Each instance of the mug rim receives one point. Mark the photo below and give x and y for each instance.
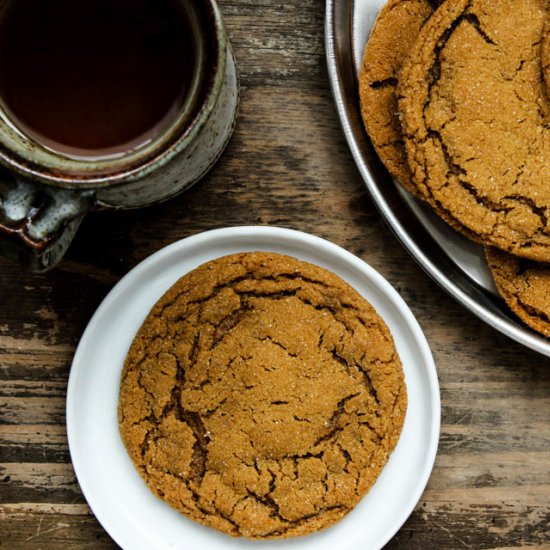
(28, 158)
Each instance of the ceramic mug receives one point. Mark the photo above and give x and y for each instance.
(45, 194)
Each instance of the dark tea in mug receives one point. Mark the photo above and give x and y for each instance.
(96, 78)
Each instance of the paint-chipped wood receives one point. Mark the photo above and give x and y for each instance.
(287, 165)
(51, 526)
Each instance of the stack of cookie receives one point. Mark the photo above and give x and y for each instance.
(454, 98)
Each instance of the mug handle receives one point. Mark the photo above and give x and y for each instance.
(38, 222)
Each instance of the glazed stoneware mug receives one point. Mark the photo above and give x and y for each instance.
(45, 191)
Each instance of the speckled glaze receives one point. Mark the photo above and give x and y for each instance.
(44, 195)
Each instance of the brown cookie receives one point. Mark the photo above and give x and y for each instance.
(525, 287)
(394, 32)
(475, 121)
(262, 396)
(545, 56)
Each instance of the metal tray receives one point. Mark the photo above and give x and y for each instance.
(454, 262)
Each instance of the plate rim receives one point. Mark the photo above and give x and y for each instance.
(424, 250)
(429, 368)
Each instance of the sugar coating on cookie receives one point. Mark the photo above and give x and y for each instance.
(476, 121)
(394, 32)
(525, 287)
(262, 396)
(545, 56)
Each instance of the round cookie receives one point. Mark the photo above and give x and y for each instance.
(525, 287)
(262, 396)
(394, 32)
(475, 121)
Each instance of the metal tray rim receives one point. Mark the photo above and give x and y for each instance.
(418, 243)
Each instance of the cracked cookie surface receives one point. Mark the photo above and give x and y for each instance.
(475, 118)
(262, 396)
(394, 32)
(525, 287)
(545, 55)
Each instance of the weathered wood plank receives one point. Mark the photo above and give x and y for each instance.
(33, 388)
(488, 518)
(55, 527)
(34, 443)
(508, 470)
(32, 410)
(38, 482)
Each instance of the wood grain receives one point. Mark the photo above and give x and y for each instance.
(287, 165)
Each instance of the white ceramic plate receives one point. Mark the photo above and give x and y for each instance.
(126, 508)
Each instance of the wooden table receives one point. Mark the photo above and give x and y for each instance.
(287, 165)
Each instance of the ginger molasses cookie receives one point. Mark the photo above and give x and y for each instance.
(545, 56)
(524, 286)
(389, 43)
(262, 396)
(475, 120)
